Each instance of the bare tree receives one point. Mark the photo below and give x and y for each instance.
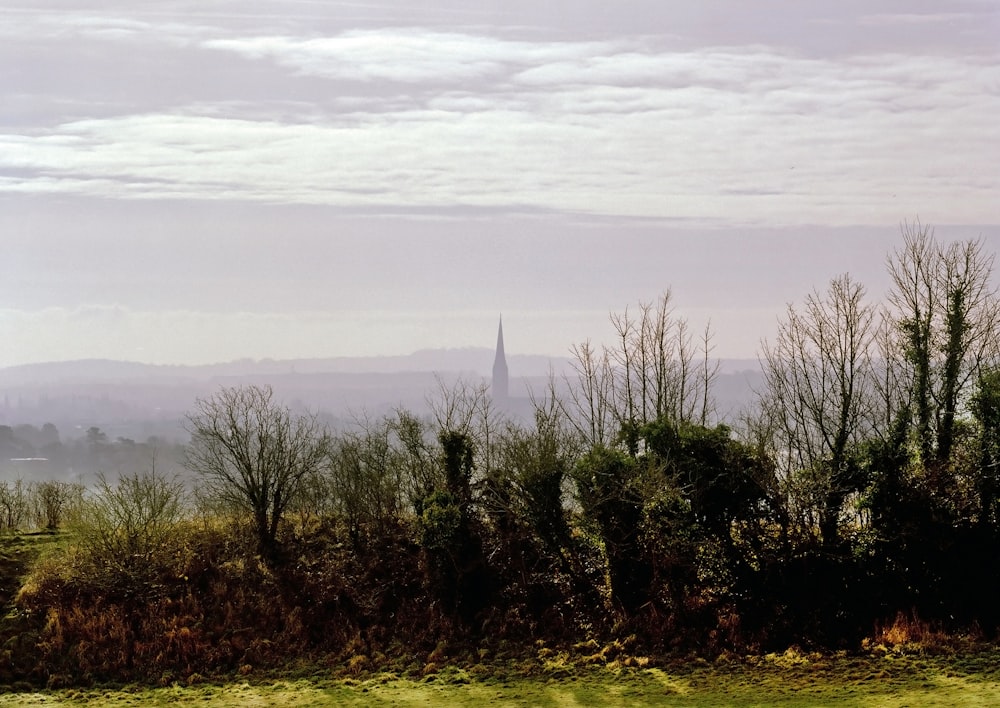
(52, 500)
(454, 406)
(589, 404)
(127, 532)
(124, 525)
(14, 502)
(468, 408)
(891, 400)
(650, 373)
(416, 455)
(367, 475)
(254, 455)
(818, 396)
(707, 376)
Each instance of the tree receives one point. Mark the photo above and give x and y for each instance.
(535, 465)
(650, 373)
(610, 491)
(416, 456)
(127, 525)
(366, 478)
(451, 534)
(523, 502)
(818, 395)
(53, 499)
(254, 455)
(706, 510)
(986, 409)
(468, 408)
(947, 314)
(13, 504)
(589, 402)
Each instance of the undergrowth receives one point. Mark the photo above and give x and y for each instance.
(213, 611)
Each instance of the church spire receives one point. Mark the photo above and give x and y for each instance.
(500, 367)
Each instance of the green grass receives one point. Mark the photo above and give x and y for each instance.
(789, 679)
(17, 551)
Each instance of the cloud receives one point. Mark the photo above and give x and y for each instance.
(85, 25)
(402, 55)
(412, 118)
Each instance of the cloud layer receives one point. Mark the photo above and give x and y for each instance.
(628, 125)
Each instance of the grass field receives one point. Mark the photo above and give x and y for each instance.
(789, 679)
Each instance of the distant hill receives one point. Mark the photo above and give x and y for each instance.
(137, 400)
(477, 360)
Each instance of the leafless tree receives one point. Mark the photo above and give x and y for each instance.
(127, 531)
(124, 524)
(708, 374)
(253, 455)
(651, 372)
(416, 455)
(468, 408)
(53, 499)
(14, 504)
(891, 399)
(367, 477)
(818, 396)
(589, 403)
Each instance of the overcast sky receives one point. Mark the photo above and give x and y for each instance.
(204, 180)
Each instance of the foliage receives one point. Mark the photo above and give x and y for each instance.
(451, 537)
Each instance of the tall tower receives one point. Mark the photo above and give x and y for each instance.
(500, 368)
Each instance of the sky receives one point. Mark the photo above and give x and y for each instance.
(196, 181)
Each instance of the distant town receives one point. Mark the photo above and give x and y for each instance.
(52, 415)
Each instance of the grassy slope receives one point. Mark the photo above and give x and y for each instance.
(17, 633)
(786, 680)
(17, 553)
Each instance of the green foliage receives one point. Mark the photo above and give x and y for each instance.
(605, 480)
(722, 479)
(986, 409)
(451, 535)
(535, 465)
(456, 453)
(610, 490)
(440, 523)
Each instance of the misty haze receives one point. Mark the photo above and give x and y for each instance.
(555, 353)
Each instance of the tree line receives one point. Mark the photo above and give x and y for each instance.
(862, 485)
(31, 453)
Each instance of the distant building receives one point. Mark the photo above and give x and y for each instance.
(501, 382)
(519, 408)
